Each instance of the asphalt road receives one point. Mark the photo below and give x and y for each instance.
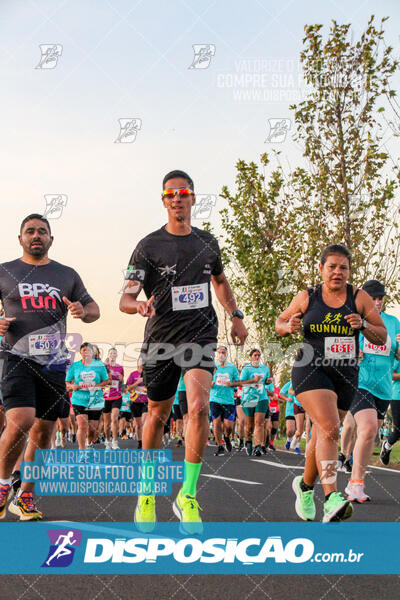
(240, 489)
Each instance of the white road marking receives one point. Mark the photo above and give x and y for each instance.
(388, 470)
(231, 479)
(268, 462)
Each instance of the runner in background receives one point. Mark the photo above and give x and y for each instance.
(287, 395)
(177, 415)
(139, 399)
(85, 379)
(299, 416)
(374, 392)
(222, 401)
(347, 441)
(272, 418)
(394, 435)
(254, 401)
(125, 414)
(72, 422)
(113, 400)
(183, 405)
(240, 419)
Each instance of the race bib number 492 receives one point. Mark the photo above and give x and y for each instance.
(188, 297)
(340, 347)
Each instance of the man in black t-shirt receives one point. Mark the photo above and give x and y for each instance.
(176, 266)
(36, 294)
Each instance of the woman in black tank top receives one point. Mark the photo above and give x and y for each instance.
(325, 372)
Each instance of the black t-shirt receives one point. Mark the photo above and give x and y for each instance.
(33, 294)
(177, 270)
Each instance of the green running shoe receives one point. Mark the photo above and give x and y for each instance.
(305, 506)
(145, 514)
(186, 508)
(337, 508)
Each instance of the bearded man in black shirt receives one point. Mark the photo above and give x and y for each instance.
(36, 294)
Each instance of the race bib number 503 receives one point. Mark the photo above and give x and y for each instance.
(188, 297)
(43, 343)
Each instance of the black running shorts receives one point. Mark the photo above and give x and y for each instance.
(124, 414)
(183, 403)
(161, 377)
(138, 408)
(110, 404)
(364, 399)
(176, 412)
(26, 383)
(92, 415)
(341, 380)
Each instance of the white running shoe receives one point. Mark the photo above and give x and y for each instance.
(107, 445)
(114, 445)
(355, 492)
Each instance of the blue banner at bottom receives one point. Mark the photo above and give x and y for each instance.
(222, 548)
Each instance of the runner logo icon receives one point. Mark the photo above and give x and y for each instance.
(168, 270)
(31, 291)
(63, 543)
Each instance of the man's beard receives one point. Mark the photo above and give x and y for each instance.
(38, 251)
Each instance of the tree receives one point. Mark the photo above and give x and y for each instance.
(349, 182)
(258, 250)
(275, 226)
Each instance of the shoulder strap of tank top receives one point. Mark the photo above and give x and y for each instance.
(352, 295)
(312, 295)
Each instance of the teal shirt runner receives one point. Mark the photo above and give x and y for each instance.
(254, 392)
(289, 411)
(219, 392)
(376, 368)
(88, 375)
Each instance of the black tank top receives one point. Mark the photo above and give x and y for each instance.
(327, 331)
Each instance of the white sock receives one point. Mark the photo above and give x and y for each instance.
(5, 481)
(289, 439)
(388, 446)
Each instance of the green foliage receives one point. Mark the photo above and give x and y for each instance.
(348, 189)
(276, 226)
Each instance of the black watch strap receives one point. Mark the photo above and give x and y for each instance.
(237, 313)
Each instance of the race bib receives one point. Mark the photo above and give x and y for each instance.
(250, 402)
(188, 297)
(115, 383)
(222, 378)
(370, 348)
(340, 347)
(88, 379)
(273, 409)
(43, 343)
(257, 386)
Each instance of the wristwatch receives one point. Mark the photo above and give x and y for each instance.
(363, 324)
(238, 314)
